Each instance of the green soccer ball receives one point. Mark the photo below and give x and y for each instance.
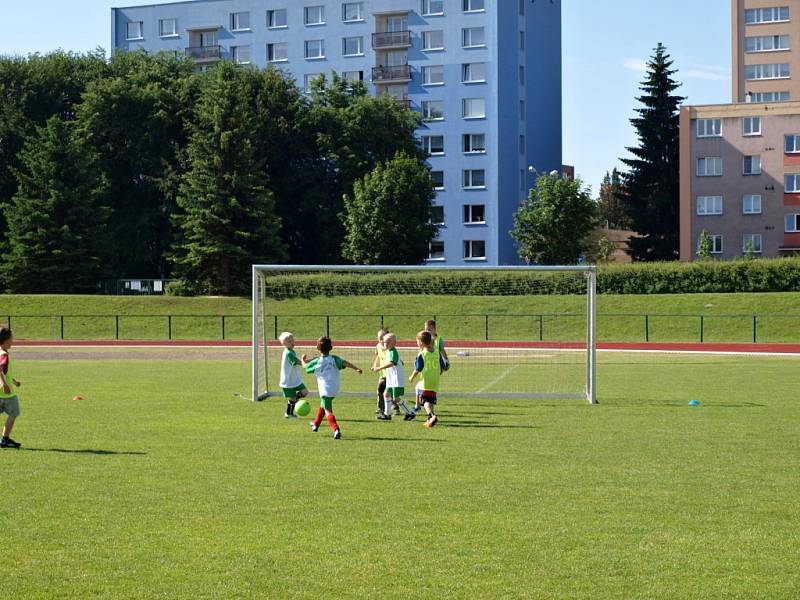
(302, 408)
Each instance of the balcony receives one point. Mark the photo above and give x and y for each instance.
(391, 39)
(204, 53)
(391, 74)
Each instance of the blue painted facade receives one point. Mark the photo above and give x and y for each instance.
(522, 87)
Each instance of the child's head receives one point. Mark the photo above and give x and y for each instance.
(287, 339)
(389, 340)
(424, 339)
(381, 333)
(430, 325)
(324, 345)
(6, 338)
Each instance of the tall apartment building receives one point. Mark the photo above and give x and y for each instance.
(485, 75)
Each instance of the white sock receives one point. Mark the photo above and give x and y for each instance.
(404, 406)
(388, 405)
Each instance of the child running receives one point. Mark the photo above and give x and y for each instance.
(326, 367)
(428, 365)
(395, 379)
(444, 361)
(9, 403)
(380, 359)
(291, 375)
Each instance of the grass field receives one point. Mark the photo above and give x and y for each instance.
(161, 484)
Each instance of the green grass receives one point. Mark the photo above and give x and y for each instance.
(161, 484)
(727, 317)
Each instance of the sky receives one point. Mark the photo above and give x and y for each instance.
(605, 46)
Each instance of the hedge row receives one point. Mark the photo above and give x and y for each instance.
(767, 275)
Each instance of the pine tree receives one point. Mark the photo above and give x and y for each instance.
(56, 225)
(611, 211)
(651, 186)
(705, 247)
(226, 216)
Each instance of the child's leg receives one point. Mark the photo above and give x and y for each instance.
(332, 420)
(8, 426)
(429, 409)
(318, 418)
(381, 392)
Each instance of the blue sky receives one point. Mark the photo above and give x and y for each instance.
(605, 45)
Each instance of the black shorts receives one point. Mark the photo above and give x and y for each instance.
(428, 396)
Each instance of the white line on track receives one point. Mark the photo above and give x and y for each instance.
(497, 379)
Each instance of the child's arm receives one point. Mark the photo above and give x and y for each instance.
(414, 375)
(419, 364)
(442, 351)
(376, 368)
(4, 383)
(349, 365)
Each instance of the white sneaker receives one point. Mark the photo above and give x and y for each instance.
(314, 428)
(337, 435)
(288, 416)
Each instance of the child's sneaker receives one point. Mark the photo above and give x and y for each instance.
(9, 443)
(410, 416)
(383, 417)
(396, 411)
(314, 427)
(430, 423)
(337, 435)
(288, 416)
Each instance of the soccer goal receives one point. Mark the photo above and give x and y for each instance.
(509, 332)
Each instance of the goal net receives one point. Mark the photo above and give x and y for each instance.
(509, 332)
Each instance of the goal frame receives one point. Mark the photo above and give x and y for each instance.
(590, 272)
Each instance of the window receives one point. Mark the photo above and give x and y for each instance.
(310, 79)
(240, 21)
(474, 250)
(791, 144)
(433, 75)
(709, 167)
(241, 55)
(168, 27)
(474, 108)
(767, 43)
(768, 71)
(522, 110)
(791, 224)
(352, 77)
(474, 143)
(473, 37)
(315, 49)
(433, 144)
(353, 46)
(751, 126)
(314, 15)
(474, 214)
(754, 16)
(769, 97)
(709, 205)
(433, 110)
(432, 7)
(433, 40)
(474, 5)
(437, 215)
(522, 144)
(522, 75)
(438, 179)
(716, 244)
(751, 243)
(751, 165)
(352, 12)
(436, 250)
(474, 179)
(278, 52)
(751, 204)
(133, 30)
(709, 128)
(473, 73)
(792, 184)
(276, 18)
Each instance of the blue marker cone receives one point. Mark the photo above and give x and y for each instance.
(694, 403)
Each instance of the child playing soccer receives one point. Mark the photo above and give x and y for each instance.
(395, 379)
(9, 403)
(444, 361)
(291, 379)
(380, 359)
(428, 365)
(326, 368)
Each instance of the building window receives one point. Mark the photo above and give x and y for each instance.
(352, 77)
(767, 43)
(754, 16)
(474, 179)
(241, 55)
(521, 8)
(791, 223)
(474, 108)
(474, 143)
(474, 214)
(716, 244)
(432, 7)
(768, 71)
(438, 179)
(436, 250)
(522, 144)
(314, 15)
(474, 5)
(433, 144)
(168, 27)
(751, 204)
(522, 110)
(751, 126)
(433, 40)
(353, 46)
(473, 37)
(473, 73)
(709, 167)
(751, 243)
(433, 75)
(278, 52)
(791, 144)
(308, 81)
(751, 165)
(709, 128)
(474, 250)
(709, 205)
(276, 19)
(792, 184)
(352, 12)
(522, 41)
(432, 110)
(240, 21)
(315, 49)
(769, 96)
(133, 30)
(437, 215)
(522, 75)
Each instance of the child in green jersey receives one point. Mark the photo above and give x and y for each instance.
(428, 366)
(291, 375)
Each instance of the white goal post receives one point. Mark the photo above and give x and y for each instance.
(545, 349)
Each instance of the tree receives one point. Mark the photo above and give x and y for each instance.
(387, 220)
(56, 224)
(651, 186)
(605, 250)
(611, 210)
(226, 219)
(705, 247)
(552, 225)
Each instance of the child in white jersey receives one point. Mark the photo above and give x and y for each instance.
(395, 378)
(291, 375)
